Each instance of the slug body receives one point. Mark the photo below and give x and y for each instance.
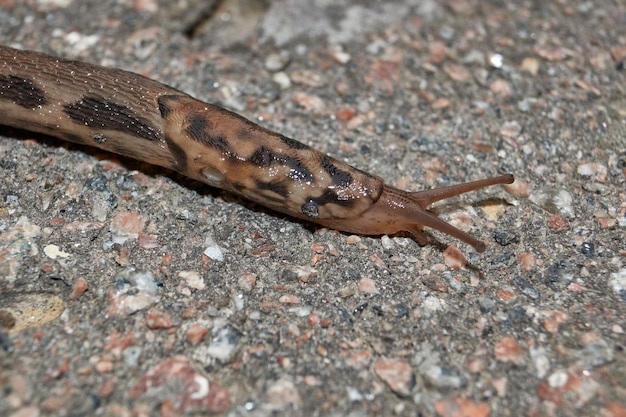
(137, 117)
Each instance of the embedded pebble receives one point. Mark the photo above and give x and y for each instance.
(368, 286)
(282, 79)
(443, 377)
(339, 55)
(454, 258)
(540, 359)
(530, 65)
(276, 61)
(506, 237)
(509, 350)
(29, 310)
(397, 374)
(134, 291)
(282, 394)
(554, 201)
(187, 390)
(224, 339)
(595, 170)
(618, 283)
(510, 129)
(212, 250)
(192, 279)
(54, 252)
(519, 188)
(126, 225)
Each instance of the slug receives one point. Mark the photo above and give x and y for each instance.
(134, 116)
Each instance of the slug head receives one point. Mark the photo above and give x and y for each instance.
(401, 211)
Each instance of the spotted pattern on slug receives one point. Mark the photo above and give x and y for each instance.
(228, 151)
(21, 91)
(134, 116)
(100, 113)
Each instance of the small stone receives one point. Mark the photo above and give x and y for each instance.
(506, 237)
(454, 258)
(282, 394)
(509, 351)
(307, 78)
(148, 241)
(397, 374)
(188, 391)
(501, 88)
(527, 260)
(134, 291)
(541, 361)
(290, 299)
(457, 73)
(196, 333)
(519, 188)
(435, 283)
(126, 225)
(282, 79)
(510, 130)
(276, 61)
(618, 283)
(486, 304)
(28, 411)
(79, 288)
(557, 223)
(598, 172)
(158, 320)
(443, 377)
(212, 250)
(224, 339)
(345, 114)
(368, 286)
(458, 406)
(339, 55)
(309, 103)
(247, 281)
(192, 279)
(54, 252)
(553, 319)
(619, 53)
(530, 65)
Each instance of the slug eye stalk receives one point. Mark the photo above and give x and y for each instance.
(402, 211)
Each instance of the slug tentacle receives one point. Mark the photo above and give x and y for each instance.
(140, 118)
(402, 211)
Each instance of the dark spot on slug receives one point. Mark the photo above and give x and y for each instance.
(338, 176)
(245, 134)
(264, 157)
(99, 113)
(292, 143)
(199, 130)
(22, 92)
(277, 187)
(164, 106)
(180, 156)
(330, 197)
(298, 171)
(310, 209)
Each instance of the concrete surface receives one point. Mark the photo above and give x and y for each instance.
(113, 297)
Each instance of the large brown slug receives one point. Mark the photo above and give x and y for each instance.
(140, 118)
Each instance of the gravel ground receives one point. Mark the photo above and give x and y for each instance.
(129, 291)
